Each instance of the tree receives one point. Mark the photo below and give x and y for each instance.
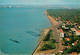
(53, 40)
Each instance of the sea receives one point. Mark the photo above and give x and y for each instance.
(20, 29)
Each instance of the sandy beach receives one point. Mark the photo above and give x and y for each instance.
(39, 45)
(52, 20)
(53, 23)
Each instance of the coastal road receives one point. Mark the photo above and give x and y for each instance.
(57, 38)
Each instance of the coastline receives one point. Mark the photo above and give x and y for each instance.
(53, 23)
(52, 20)
(41, 41)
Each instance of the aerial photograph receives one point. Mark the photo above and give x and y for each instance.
(39, 27)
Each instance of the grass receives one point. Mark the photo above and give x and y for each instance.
(48, 42)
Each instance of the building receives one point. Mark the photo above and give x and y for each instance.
(79, 27)
(73, 29)
(74, 53)
(74, 43)
(67, 39)
(63, 26)
(66, 27)
(68, 46)
(61, 33)
(78, 32)
(57, 19)
(61, 51)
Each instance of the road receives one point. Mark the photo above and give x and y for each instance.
(57, 38)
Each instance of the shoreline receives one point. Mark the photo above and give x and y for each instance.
(53, 23)
(52, 20)
(41, 41)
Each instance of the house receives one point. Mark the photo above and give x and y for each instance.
(68, 46)
(67, 39)
(60, 54)
(79, 27)
(73, 29)
(67, 22)
(75, 23)
(66, 27)
(78, 32)
(57, 19)
(74, 43)
(74, 53)
(63, 26)
(62, 42)
(61, 33)
(61, 51)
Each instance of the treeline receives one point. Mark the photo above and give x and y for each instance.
(66, 14)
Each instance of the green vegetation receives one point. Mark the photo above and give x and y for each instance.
(75, 48)
(72, 15)
(72, 49)
(48, 42)
(71, 23)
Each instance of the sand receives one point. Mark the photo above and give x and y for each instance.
(52, 20)
(39, 46)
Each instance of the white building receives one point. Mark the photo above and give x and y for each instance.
(61, 33)
(79, 27)
(65, 27)
(60, 51)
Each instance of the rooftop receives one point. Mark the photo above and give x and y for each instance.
(73, 29)
(68, 46)
(78, 30)
(60, 30)
(67, 39)
(73, 53)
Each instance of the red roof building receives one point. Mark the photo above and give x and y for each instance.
(68, 46)
(74, 43)
(60, 30)
(61, 33)
(67, 39)
(74, 53)
(78, 32)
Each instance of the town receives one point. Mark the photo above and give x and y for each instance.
(70, 37)
(63, 36)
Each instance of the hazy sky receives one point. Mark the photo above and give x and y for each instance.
(39, 2)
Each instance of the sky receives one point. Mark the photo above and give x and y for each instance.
(39, 2)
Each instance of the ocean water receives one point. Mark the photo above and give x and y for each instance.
(20, 29)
